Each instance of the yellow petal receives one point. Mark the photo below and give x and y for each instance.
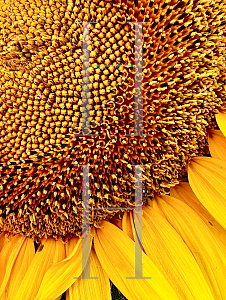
(52, 252)
(126, 224)
(115, 251)
(95, 288)
(70, 245)
(117, 222)
(20, 267)
(210, 256)
(8, 256)
(207, 178)
(221, 121)
(62, 275)
(183, 192)
(169, 253)
(217, 144)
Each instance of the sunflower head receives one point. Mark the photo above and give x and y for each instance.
(45, 96)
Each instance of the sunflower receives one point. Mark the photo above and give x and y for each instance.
(112, 149)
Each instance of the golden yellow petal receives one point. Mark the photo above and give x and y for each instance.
(115, 251)
(95, 288)
(210, 256)
(62, 275)
(126, 224)
(207, 178)
(8, 257)
(117, 222)
(217, 144)
(169, 253)
(20, 267)
(183, 192)
(70, 245)
(52, 252)
(221, 121)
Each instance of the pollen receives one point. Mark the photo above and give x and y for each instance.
(46, 98)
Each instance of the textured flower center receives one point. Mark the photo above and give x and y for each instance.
(42, 104)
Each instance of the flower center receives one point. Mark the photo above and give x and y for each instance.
(62, 64)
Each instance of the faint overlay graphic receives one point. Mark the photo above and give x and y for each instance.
(138, 169)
